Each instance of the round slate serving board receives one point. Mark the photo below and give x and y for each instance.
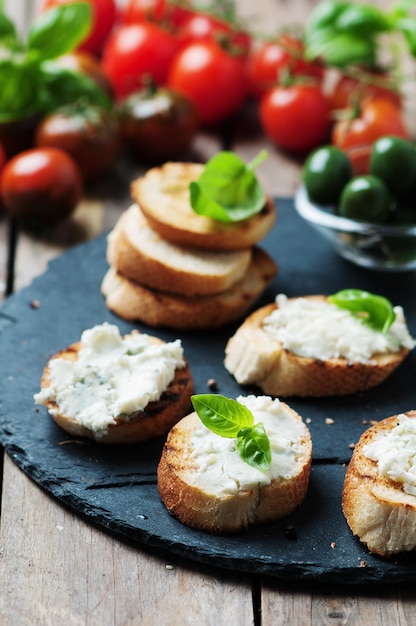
(116, 488)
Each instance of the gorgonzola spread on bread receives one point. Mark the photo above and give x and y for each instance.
(318, 329)
(395, 453)
(112, 376)
(221, 471)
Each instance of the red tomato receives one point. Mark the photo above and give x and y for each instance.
(104, 18)
(89, 134)
(41, 184)
(214, 80)
(134, 53)
(203, 27)
(3, 158)
(376, 117)
(349, 91)
(270, 59)
(297, 117)
(163, 12)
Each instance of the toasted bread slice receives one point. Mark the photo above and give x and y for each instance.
(139, 253)
(153, 421)
(163, 196)
(254, 356)
(134, 302)
(377, 508)
(206, 485)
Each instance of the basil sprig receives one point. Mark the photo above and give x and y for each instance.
(373, 310)
(32, 83)
(228, 190)
(228, 418)
(346, 33)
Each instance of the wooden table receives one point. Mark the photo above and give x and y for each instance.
(58, 569)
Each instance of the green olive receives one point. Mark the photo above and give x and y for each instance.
(327, 170)
(366, 199)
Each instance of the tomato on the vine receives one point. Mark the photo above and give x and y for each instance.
(213, 79)
(158, 123)
(272, 58)
(349, 91)
(104, 18)
(203, 27)
(165, 12)
(296, 117)
(89, 134)
(374, 118)
(41, 184)
(136, 52)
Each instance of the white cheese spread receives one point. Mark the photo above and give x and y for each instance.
(318, 329)
(221, 470)
(395, 453)
(111, 378)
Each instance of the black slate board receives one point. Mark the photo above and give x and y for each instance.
(115, 488)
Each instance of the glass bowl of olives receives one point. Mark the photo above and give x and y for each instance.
(370, 219)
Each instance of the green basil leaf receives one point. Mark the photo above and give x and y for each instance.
(363, 19)
(59, 30)
(324, 15)
(254, 447)
(342, 49)
(408, 28)
(8, 34)
(21, 83)
(371, 309)
(62, 86)
(224, 416)
(228, 190)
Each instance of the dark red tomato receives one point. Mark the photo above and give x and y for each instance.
(42, 184)
(158, 124)
(104, 18)
(171, 14)
(349, 91)
(3, 158)
(213, 79)
(202, 27)
(89, 134)
(266, 64)
(85, 63)
(297, 117)
(134, 53)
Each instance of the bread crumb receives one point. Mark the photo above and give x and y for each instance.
(308, 420)
(329, 421)
(333, 544)
(372, 422)
(35, 304)
(212, 384)
(363, 563)
(169, 566)
(364, 422)
(351, 445)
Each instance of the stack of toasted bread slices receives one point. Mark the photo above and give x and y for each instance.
(379, 495)
(174, 268)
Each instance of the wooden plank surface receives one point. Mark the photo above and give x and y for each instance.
(57, 569)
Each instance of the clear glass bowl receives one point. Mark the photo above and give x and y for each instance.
(375, 246)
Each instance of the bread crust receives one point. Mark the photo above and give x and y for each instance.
(133, 301)
(155, 420)
(254, 357)
(163, 196)
(231, 513)
(376, 508)
(140, 254)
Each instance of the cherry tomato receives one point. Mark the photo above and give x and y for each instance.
(171, 14)
(349, 91)
(158, 123)
(134, 53)
(85, 63)
(89, 134)
(42, 184)
(203, 27)
(104, 18)
(213, 79)
(270, 59)
(297, 117)
(376, 117)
